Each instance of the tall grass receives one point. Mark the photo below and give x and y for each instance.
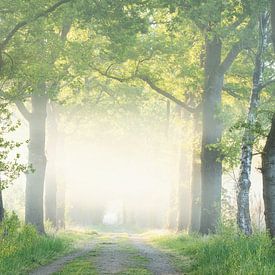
(22, 248)
(224, 253)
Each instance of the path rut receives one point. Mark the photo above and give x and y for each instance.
(117, 254)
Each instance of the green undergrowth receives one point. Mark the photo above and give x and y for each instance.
(23, 249)
(79, 266)
(224, 253)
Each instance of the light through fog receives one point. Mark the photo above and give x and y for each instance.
(121, 173)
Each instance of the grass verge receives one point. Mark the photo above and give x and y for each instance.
(224, 253)
(22, 249)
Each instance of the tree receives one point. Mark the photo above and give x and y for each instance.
(42, 83)
(10, 166)
(243, 214)
(34, 210)
(51, 177)
(268, 171)
(268, 159)
(10, 33)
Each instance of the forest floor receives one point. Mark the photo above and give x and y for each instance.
(112, 253)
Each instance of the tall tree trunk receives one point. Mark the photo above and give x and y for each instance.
(211, 166)
(35, 181)
(244, 183)
(268, 171)
(1, 207)
(183, 190)
(194, 222)
(51, 181)
(268, 160)
(61, 188)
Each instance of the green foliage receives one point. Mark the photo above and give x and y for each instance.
(10, 166)
(22, 248)
(224, 253)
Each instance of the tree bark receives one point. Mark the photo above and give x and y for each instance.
(244, 183)
(268, 159)
(268, 171)
(35, 181)
(51, 181)
(194, 223)
(61, 188)
(211, 166)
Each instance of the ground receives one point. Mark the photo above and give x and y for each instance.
(112, 253)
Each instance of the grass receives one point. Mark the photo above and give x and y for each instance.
(80, 266)
(23, 249)
(133, 262)
(224, 253)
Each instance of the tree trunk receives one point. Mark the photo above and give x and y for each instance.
(244, 183)
(268, 171)
(183, 192)
(1, 207)
(211, 166)
(61, 189)
(35, 181)
(51, 182)
(194, 223)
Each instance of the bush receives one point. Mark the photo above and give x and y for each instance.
(224, 253)
(22, 248)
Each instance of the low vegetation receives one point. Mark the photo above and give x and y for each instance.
(223, 253)
(23, 249)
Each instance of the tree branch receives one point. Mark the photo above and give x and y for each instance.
(166, 94)
(120, 79)
(23, 23)
(234, 51)
(231, 92)
(267, 83)
(231, 56)
(152, 85)
(23, 110)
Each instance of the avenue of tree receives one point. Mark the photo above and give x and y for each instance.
(212, 62)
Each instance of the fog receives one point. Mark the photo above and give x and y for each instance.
(122, 168)
(112, 168)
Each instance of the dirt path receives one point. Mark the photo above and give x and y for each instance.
(115, 254)
(61, 262)
(159, 262)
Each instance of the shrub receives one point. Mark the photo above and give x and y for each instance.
(22, 248)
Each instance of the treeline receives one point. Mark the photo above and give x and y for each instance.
(210, 58)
